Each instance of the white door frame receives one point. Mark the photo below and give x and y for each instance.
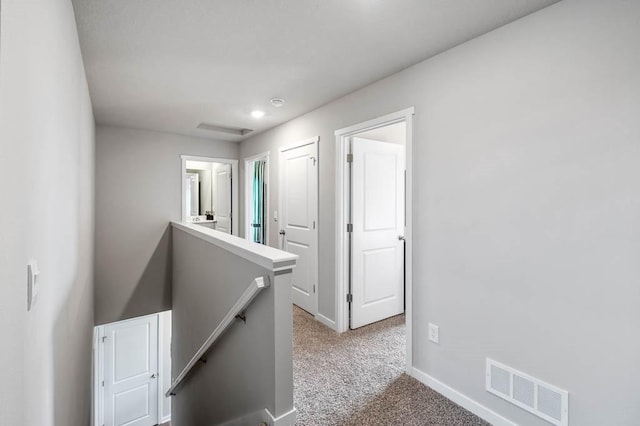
(342, 202)
(310, 141)
(234, 185)
(248, 192)
(98, 371)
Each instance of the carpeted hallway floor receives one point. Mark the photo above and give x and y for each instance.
(357, 378)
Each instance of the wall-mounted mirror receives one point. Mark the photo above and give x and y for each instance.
(209, 194)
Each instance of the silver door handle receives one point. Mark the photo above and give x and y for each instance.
(401, 237)
(282, 232)
(153, 376)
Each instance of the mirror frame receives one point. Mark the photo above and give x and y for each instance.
(234, 186)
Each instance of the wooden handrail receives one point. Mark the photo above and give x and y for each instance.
(247, 297)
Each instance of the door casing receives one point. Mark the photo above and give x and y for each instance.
(342, 219)
(248, 194)
(309, 141)
(234, 186)
(98, 358)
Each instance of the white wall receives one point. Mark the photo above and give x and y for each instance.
(46, 187)
(138, 191)
(526, 204)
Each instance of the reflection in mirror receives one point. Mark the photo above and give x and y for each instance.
(208, 194)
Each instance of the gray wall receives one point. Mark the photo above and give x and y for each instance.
(250, 368)
(138, 191)
(46, 187)
(526, 204)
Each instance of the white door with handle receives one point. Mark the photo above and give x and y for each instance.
(131, 372)
(223, 199)
(298, 218)
(377, 192)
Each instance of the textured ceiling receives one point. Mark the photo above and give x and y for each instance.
(169, 65)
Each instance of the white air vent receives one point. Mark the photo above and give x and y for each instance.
(542, 399)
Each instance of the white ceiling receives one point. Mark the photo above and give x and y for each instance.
(169, 65)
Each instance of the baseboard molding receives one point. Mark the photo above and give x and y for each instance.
(461, 399)
(254, 418)
(287, 419)
(326, 321)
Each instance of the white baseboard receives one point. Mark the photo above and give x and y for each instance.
(326, 321)
(287, 419)
(461, 399)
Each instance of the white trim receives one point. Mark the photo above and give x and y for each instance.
(248, 193)
(98, 373)
(265, 256)
(298, 144)
(461, 399)
(326, 321)
(342, 136)
(98, 368)
(309, 141)
(287, 419)
(234, 186)
(162, 418)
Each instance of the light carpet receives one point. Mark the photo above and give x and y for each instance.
(357, 378)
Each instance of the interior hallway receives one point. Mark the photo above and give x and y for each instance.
(357, 378)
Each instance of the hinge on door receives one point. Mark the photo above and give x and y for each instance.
(104, 338)
(314, 224)
(349, 298)
(349, 158)
(349, 227)
(103, 383)
(314, 288)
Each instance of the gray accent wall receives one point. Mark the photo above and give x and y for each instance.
(250, 368)
(138, 191)
(526, 204)
(46, 212)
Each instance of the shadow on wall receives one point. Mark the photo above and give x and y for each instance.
(72, 338)
(72, 352)
(153, 290)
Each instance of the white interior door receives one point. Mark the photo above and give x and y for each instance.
(298, 217)
(377, 191)
(223, 199)
(131, 372)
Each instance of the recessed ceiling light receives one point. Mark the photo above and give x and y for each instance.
(277, 102)
(257, 113)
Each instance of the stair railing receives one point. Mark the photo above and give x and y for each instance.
(258, 284)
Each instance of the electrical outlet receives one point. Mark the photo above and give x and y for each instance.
(434, 333)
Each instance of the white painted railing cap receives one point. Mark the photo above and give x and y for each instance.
(265, 256)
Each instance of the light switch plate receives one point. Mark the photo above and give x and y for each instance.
(33, 285)
(434, 333)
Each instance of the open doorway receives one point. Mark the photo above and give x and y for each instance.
(256, 189)
(373, 222)
(209, 192)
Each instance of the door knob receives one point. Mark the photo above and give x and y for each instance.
(282, 232)
(401, 237)
(153, 376)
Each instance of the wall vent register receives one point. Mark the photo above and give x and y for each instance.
(542, 399)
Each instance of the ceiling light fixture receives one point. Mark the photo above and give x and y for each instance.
(257, 113)
(277, 102)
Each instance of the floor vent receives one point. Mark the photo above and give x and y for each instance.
(542, 399)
